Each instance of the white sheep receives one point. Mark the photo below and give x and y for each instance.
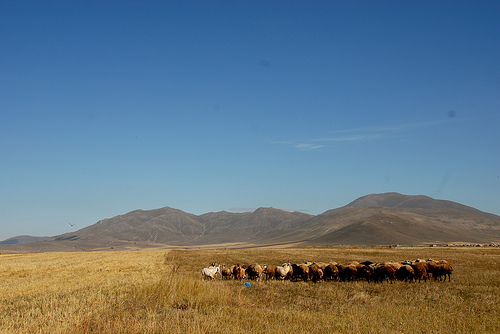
(210, 272)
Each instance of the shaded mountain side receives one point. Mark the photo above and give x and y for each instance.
(446, 224)
(176, 227)
(256, 226)
(261, 221)
(445, 218)
(219, 222)
(323, 224)
(38, 246)
(22, 239)
(387, 228)
(165, 225)
(452, 218)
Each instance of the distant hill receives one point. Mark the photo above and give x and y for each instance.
(168, 226)
(22, 239)
(399, 201)
(376, 219)
(381, 226)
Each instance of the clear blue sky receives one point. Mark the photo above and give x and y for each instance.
(111, 106)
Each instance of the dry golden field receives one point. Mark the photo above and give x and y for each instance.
(162, 292)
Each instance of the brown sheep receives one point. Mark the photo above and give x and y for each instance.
(347, 272)
(295, 272)
(254, 271)
(322, 265)
(239, 272)
(444, 269)
(394, 265)
(363, 272)
(430, 266)
(226, 272)
(300, 271)
(419, 271)
(270, 271)
(304, 271)
(384, 272)
(405, 273)
(289, 276)
(315, 272)
(331, 272)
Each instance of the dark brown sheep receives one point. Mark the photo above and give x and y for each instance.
(384, 272)
(295, 272)
(289, 276)
(363, 272)
(331, 272)
(300, 271)
(405, 273)
(347, 272)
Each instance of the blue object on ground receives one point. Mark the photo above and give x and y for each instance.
(247, 284)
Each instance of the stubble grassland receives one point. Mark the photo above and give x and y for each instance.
(162, 291)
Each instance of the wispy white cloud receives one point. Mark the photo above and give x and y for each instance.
(308, 147)
(241, 209)
(360, 134)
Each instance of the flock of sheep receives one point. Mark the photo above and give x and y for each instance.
(409, 271)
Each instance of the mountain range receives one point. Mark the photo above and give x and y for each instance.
(376, 219)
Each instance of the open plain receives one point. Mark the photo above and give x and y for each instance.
(162, 291)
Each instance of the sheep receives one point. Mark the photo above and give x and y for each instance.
(394, 265)
(384, 272)
(419, 271)
(290, 272)
(300, 271)
(295, 272)
(347, 272)
(254, 271)
(239, 272)
(315, 272)
(367, 263)
(330, 272)
(226, 272)
(443, 269)
(282, 271)
(378, 272)
(363, 272)
(210, 272)
(322, 265)
(430, 266)
(405, 273)
(270, 271)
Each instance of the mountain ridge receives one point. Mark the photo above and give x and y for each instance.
(388, 218)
